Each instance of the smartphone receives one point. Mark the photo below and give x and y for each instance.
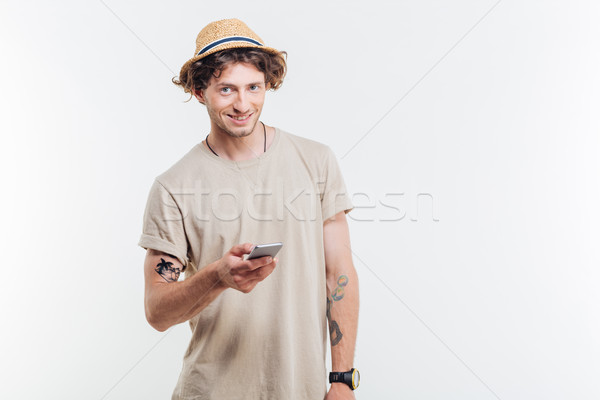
(268, 249)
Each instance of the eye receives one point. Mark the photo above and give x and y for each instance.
(254, 88)
(225, 90)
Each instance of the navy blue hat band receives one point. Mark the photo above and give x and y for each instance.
(227, 40)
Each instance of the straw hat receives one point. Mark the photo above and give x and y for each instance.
(221, 35)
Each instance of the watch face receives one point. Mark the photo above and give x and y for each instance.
(355, 378)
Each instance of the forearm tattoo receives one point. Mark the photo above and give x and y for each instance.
(337, 295)
(338, 292)
(335, 334)
(167, 271)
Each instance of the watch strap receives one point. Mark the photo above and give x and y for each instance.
(345, 377)
(336, 377)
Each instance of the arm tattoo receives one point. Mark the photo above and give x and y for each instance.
(338, 293)
(335, 333)
(167, 271)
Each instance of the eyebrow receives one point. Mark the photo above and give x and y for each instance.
(233, 85)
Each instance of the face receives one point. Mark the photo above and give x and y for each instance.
(235, 99)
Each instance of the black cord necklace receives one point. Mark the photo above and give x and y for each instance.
(264, 133)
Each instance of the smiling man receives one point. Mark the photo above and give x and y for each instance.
(259, 326)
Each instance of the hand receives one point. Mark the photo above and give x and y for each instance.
(340, 391)
(243, 275)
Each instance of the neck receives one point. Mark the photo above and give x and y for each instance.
(238, 148)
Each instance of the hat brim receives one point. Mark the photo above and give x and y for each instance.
(222, 47)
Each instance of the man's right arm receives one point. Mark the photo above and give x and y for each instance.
(169, 302)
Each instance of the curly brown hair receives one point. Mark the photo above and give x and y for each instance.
(198, 75)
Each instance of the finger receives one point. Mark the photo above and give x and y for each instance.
(247, 286)
(259, 262)
(261, 273)
(241, 249)
(266, 271)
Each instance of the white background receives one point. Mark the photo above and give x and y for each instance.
(494, 119)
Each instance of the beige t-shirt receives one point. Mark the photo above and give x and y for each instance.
(271, 342)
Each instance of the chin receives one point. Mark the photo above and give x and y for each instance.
(241, 131)
(240, 134)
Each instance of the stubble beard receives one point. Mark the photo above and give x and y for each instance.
(230, 133)
(241, 134)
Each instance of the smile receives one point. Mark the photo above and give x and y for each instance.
(240, 118)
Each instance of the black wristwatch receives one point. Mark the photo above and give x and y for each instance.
(350, 378)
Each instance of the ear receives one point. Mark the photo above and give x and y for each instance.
(199, 94)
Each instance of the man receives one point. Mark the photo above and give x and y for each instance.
(259, 327)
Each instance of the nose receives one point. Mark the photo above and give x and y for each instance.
(242, 102)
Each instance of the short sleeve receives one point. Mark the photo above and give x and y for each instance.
(163, 228)
(334, 196)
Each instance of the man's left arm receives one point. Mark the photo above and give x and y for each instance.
(342, 300)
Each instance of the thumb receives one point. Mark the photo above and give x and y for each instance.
(241, 249)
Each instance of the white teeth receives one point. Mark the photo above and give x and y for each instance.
(239, 118)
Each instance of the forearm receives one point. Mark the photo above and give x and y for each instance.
(172, 303)
(342, 306)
